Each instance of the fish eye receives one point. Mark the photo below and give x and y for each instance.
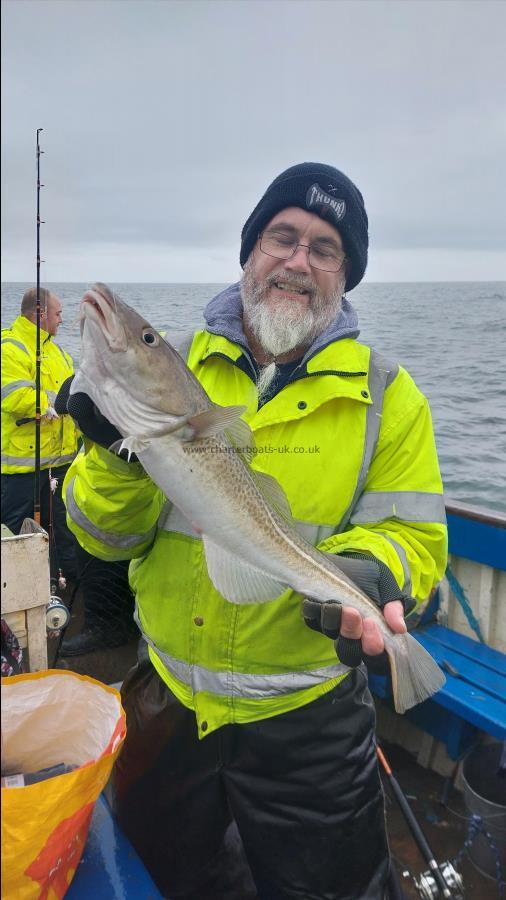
(150, 338)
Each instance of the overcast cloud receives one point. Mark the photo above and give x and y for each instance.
(165, 121)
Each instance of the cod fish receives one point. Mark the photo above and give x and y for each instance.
(198, 454)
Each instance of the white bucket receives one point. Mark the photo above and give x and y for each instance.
(485, 796)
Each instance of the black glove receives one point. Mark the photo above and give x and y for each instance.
(375, 579)
(88, 417)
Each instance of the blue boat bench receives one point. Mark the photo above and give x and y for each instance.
(474, 696)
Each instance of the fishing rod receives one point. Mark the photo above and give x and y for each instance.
(57, 614)
(441, 885)
(36, 504)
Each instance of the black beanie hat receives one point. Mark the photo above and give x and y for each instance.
(322, 190)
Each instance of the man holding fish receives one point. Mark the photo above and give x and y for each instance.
(240, 716)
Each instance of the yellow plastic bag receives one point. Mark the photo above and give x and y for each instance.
(48, 718)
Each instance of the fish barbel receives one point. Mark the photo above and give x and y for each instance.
(198, 454)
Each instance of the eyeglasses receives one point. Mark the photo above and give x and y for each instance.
(321, 255)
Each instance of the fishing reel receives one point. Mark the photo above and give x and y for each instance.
(427, 886)
(57, 616)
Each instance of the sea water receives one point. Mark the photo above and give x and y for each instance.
(450, 336)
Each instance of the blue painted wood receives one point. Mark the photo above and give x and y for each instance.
(478, 541)
(473, 704)
(469, 669)
(110, 868)
(466, 647)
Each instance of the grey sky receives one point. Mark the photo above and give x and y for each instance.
(165, 121)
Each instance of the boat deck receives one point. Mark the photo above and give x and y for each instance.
(445, 827)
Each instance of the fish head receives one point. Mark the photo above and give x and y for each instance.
(136, 378)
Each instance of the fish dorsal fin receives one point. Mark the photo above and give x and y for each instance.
(236, 580)
(273, 494)
(215, 420)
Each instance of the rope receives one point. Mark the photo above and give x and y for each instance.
(477, 826)
(459, 593)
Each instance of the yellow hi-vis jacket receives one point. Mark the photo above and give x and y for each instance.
(352, 445)
(58, 437)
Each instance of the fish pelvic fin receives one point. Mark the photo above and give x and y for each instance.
(416, 676)
(236, 580)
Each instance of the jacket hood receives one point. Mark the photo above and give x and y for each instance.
(223, 316)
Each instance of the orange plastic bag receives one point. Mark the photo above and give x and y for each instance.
(48, 718)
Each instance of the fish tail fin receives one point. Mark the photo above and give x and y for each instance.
(415, 674)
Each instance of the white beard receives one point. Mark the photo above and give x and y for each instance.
(276, 331)
(282, 327)
(265, 378)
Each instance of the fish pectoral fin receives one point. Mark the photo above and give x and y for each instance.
(215, 420)
(236, 580)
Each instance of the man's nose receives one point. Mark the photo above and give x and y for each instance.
(299, 262)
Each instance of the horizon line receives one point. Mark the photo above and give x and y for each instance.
(363, 284)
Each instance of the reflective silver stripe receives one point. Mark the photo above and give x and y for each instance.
(239, 684)
(381, 374)
(123, 541)
(16, 344)
(64, 355)
(51, 396)
(171, 519)
(314, 534)
(16, 386)
(45, 460)
(58, 460)
(409, 506)
(401, 553)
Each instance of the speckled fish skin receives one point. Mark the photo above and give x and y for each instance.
(142, 385)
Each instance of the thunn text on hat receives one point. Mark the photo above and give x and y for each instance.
(316, 196)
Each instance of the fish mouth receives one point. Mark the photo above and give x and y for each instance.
(99, 305)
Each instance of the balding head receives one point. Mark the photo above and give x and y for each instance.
(50, 309)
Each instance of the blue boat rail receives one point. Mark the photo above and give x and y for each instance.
(477, 534)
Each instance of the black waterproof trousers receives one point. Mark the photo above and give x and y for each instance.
(18, 500)
(303, 790)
